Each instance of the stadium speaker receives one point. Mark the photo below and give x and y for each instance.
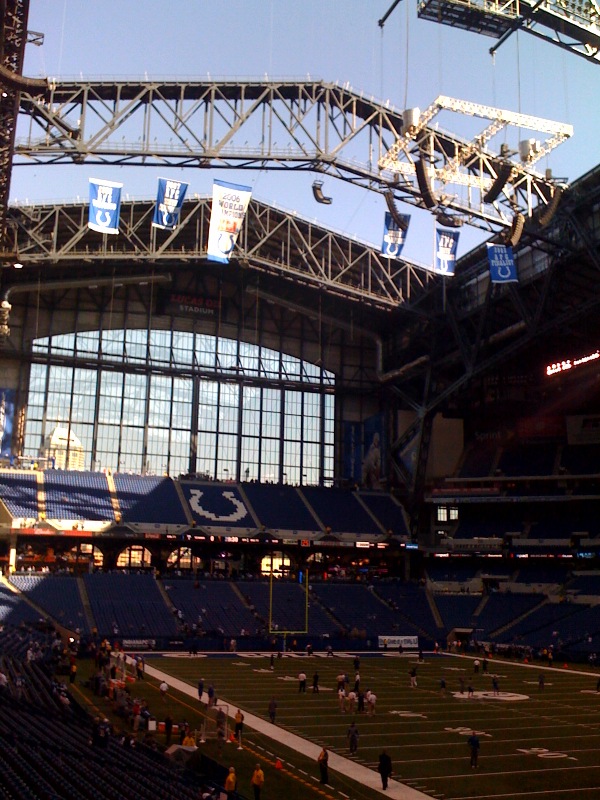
(550, 210)
(425, 184)
(317, 188)
(516, 229)
(449, 220)
(504, 170)
(396, 215)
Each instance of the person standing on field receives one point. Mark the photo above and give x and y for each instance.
(258, 778)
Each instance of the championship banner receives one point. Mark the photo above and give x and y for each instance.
(105, 206)
(445, 252)
(393, 235)
(502, 264)
(169, 201)
(229, 205)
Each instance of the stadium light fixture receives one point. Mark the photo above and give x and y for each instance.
(317, 188)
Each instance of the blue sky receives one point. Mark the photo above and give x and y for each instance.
(410, 63)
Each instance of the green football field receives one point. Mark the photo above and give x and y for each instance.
(534, 740)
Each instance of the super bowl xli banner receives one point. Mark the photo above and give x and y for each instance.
(394, 236)
(445, 252)
(229, 205)
(105, 206)
(502, 264)
(169, 201)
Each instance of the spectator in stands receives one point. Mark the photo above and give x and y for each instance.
(257, 781)
(183, 728)
(3, 683)
(189, 740)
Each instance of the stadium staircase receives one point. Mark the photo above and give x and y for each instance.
(85, 602)
(112, 490)
(434, 609)
(314, 600)
(41, 495)
(165, 596)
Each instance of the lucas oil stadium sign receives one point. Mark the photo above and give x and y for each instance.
(405, 642)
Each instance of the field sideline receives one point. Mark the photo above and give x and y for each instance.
(534, 739)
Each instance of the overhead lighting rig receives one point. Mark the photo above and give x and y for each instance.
(467, 175)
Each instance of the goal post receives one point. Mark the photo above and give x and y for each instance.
(275, 606)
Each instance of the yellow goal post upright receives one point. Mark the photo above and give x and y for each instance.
(274, 628)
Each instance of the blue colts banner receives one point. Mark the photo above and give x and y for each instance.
(445, 252)
(105, 206)
(169, 201)
(229, 204)
(502, 264)
(393, 235)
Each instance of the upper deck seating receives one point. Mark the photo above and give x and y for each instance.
(18, 491)
(279, 507)
(149, 499)
(340, 510)
(388, 512)
(218, 506)
(77, 495)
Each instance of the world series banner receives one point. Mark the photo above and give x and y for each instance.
(169, 200)
(502, 264)
(445, 252)
(229, 206)
(393, 235)
(105, 206)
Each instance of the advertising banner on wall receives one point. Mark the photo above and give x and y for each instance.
(7, 415)
(105, 206)
(229, 205)
(364, 449)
